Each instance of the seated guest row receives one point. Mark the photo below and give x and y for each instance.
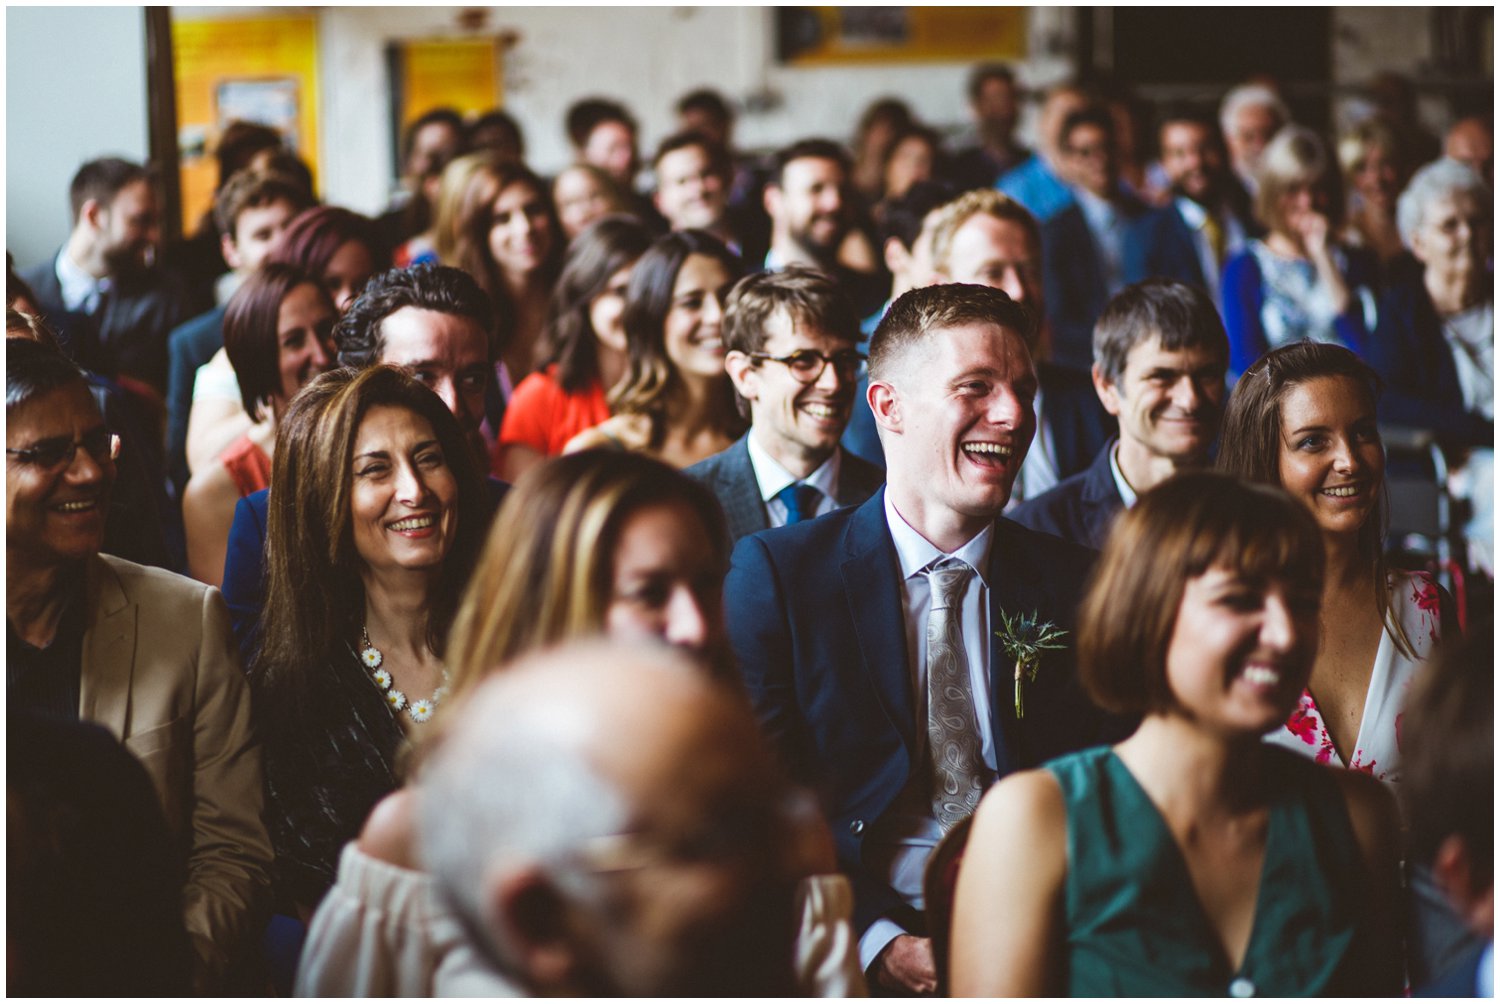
(375, 485)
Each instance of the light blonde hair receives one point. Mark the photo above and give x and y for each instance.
(1294, 158)
(947, 218)
(546, 573)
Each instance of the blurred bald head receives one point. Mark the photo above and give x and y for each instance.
(607, 819)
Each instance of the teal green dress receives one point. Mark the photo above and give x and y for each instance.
(1135, 926)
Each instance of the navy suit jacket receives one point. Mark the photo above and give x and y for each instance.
(1411, 354)
(132, 327)
(731, 477)
(1081, 508)
(1073, 282)
(244, 585)
(1159, 244)
(816, 620)
(1080, 425)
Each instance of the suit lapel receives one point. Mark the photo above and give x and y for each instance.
(872, 588)
(108, 663)
(746, 512)
(1008, 590)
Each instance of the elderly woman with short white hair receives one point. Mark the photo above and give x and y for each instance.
(1435, 344)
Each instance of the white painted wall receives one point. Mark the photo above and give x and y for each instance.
(75, 89)
(645, 57)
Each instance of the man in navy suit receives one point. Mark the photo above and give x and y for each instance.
(789, 338)
(1160, 355)
(988, 238)
(1208, 219)
(1083, 245)
(830, 619)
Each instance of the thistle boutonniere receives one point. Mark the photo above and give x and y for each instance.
(1025, 637)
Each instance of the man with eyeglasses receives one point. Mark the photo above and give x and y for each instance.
(145, 653)
(652, 848)
(789, 340)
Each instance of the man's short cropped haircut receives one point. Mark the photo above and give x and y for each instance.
(252, 189)
(920, 313)
(1096, 115)
(1180, 314)
(1190, 523)
(820, 149)
(434, 287)
(983, 74)
(435, 116)
(807, 296)
(718, 157)
(1448, 755)
(101, 180)
(587, 115)
(707, 101)
(953, 215)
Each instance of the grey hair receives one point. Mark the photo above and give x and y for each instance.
(506, 789)
(1249, 96)
(1440, 178)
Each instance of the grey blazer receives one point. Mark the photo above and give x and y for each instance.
(730, 476)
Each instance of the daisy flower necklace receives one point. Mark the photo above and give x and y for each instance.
(420, 710)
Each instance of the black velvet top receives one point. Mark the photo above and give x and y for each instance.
(325, 770)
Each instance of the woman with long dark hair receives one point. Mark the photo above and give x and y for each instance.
(584, 348)
(675, 403)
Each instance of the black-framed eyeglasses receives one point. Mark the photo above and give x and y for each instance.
(807, 365)
(49, 454)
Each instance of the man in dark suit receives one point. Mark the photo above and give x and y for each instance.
(789, 338)
(1083, 245)
(841, 623)
(988, 238)
(1208, 219)
(105, 272)
(1160, 355)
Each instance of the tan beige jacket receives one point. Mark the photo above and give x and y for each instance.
(161, 672)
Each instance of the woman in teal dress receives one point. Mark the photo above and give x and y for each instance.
(1192, 858)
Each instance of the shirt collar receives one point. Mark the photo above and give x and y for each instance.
(1100, 213)
(76, 284)
(915, 552)
(771, 477)
(1127, 494)
(1192, 213)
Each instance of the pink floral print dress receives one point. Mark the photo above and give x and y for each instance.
(1377, 749)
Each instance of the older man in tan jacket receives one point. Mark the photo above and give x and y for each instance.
(143, 652)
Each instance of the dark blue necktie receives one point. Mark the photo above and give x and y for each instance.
(801, 501)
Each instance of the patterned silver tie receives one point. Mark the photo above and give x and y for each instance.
(952, 729)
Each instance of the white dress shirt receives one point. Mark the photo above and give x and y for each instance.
(80, 291)
(1127, 493)
(1195, 215)
(1038, 471)
(902, 839)
(1108, 230)
(772, 478)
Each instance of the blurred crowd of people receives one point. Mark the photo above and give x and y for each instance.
(1017, 523)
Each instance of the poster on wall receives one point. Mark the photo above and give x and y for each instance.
(821, 36)
(251, 69)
